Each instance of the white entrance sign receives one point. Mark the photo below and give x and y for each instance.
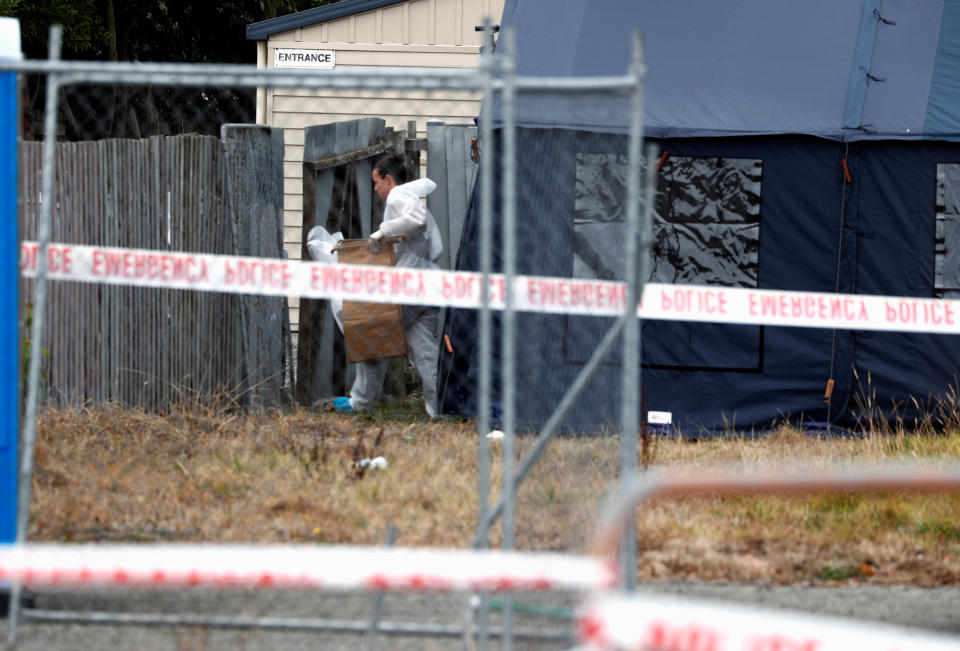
(297, 58)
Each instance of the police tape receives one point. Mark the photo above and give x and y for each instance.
(298, 566)
(291, 278)
(665, 623)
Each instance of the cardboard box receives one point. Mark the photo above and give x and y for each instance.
(371, 331)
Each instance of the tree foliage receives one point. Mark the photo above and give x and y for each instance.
(179, 31)
(86, 34)
(148, 30)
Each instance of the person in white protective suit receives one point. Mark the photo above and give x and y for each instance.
(404, 214)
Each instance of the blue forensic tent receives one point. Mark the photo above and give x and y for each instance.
(806, 146)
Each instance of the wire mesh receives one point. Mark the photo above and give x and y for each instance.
(140, 156)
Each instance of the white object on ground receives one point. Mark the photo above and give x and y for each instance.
(660, 417)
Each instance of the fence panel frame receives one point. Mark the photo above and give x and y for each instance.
(487, 77)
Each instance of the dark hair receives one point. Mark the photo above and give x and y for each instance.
(393, 165)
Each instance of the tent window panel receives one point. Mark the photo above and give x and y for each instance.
(706, 231)
(705, 254)
(706, 220)
(599, 216)
(947, 242)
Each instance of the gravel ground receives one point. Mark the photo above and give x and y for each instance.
(933, 609)
(546, 615)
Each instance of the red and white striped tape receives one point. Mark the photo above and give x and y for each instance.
(665, 623)
(266, 276)
(299, 566)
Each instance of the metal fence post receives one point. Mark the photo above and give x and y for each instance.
(630, 389)
(485, 139)
(36, 333)
(507, 357)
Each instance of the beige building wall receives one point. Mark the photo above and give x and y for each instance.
(411, 34)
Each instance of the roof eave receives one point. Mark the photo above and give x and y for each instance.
(265, 28)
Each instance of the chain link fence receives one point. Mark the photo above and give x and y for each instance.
(164, 158)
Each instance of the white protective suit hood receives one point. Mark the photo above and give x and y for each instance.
(425, 241)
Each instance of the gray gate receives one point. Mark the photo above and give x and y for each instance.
(338, 195)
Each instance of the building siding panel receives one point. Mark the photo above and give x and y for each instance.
(393, 24)
(338, 30)
(420, 22)
(448, 24)
(366, 31)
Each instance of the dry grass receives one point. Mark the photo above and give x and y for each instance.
(205, 474)
(896, 537)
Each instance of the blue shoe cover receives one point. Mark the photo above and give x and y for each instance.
(342, 405)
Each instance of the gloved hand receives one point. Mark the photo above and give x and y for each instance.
(376, 242)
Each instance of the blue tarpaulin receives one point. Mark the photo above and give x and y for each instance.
(807, 146)
(839, 70)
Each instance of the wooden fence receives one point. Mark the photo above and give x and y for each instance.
(153, 347)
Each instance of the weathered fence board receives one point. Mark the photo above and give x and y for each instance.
(450, 165)
(154, 347)
(332, 199)
(254, 179)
